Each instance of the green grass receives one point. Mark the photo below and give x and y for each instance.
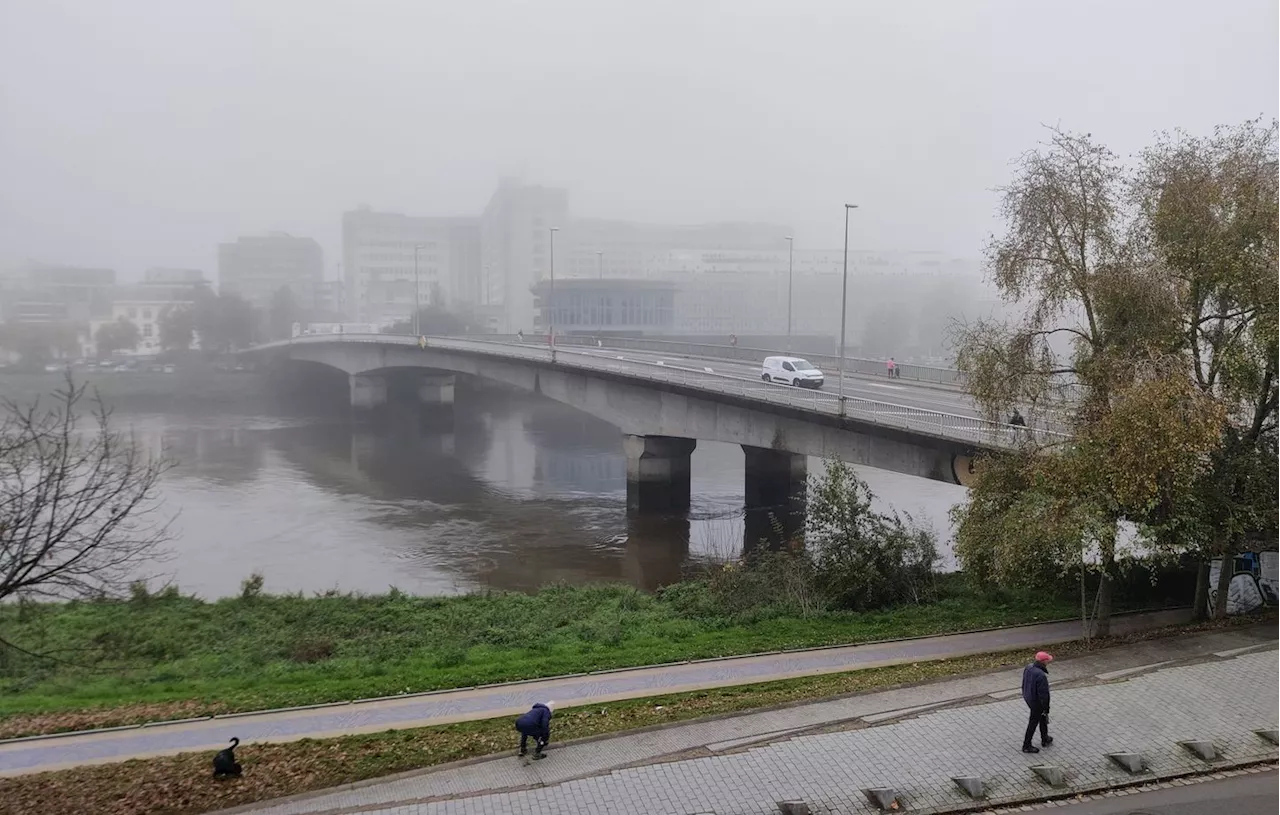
(272, 651)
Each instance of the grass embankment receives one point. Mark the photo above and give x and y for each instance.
(180, 785)
(152, 658)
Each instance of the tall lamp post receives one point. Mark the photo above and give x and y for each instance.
(844, 299)
(600, 295)
(791, 245)
(552, 323)
(417, 298)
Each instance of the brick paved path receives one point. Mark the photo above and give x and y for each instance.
(1144, 708)
(502, 700)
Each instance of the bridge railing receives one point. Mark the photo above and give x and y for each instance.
(905, 417)
(827, 362)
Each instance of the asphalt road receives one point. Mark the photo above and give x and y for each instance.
(1254, 794)
(897, 392)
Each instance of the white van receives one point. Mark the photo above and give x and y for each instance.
(791, 371)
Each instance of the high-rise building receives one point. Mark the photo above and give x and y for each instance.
(516, 248)
(256, 267)
(391, 261)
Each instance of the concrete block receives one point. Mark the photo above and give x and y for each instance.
(1050, 774)
(972, 786)
(1270, 735)
(793, 808)
(1129, 762)
(885, 798)
(1204, 749)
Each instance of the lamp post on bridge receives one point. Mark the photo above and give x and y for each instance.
(844, 300)
(600, 307)
(551, 333)
(417, 297)
(791, 245)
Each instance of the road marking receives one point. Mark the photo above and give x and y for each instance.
(708, 370)
(889, 387)
(624, 359)
(661, 362)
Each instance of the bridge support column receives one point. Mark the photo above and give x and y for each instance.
(657, 472)
(367, 392)
(774, 491)
(435, 399)
(436, 390)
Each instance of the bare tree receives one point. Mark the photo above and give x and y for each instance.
(79, 514)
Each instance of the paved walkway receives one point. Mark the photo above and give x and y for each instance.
(18, 757)
(1144, 698)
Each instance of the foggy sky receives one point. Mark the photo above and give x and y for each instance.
(139, 133)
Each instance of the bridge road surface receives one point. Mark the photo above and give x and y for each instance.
(897, 391)
(467, 704)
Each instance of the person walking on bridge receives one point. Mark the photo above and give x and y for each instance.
(536, 725)
(891, 367)
(1035, 692)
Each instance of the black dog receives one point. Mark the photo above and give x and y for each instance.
(224, 763)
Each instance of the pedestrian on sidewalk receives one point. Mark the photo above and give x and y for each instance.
(1035, 692)
(536, 725)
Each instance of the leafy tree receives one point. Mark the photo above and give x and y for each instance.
(283, 314)
(1209, 222)
(1068, 262)
(177, 328)
(225, 322)
(80, 506)
(37, 343)
(439, 321)
(122, 335)
(864, 559)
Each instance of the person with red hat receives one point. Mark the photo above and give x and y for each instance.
(1035, 692)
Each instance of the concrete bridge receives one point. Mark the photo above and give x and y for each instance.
(663, 406)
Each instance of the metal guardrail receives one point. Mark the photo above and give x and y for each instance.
(828, 362)
(886, 414)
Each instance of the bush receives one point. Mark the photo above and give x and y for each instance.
(864, 559)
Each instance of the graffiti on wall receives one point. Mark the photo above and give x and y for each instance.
(1255, 580)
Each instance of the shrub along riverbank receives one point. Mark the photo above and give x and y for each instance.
(168, 656)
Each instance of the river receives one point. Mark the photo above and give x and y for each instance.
(521, 492)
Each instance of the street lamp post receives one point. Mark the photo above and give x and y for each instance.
(600, 294)
(791, 245)
(844, 299)
(552, 322)
(417, 297)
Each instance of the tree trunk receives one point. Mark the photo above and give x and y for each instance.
(1106, 582)
(1200, 605)
(1102, 624)
(1224, 583)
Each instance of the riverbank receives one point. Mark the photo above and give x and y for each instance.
(195, 386)
(180, 784)
(166, 656)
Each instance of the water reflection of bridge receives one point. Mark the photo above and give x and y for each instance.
(474, 528)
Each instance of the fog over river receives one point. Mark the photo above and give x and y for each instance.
(522, 492)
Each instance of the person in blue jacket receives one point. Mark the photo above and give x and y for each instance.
(1035, 692)
(536, 725)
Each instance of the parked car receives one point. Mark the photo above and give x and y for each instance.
(170, 368)
(791, 371)
(51, 368)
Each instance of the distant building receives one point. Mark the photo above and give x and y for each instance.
(146, 304)
(605, 306)
(47, 293)
(256, 267)
(391, 260)
(516, 247)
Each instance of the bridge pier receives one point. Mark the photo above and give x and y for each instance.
(657, 472)
(774, 489)
(435, 400)
(436, 390)
(368, 391)
(657, 547)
